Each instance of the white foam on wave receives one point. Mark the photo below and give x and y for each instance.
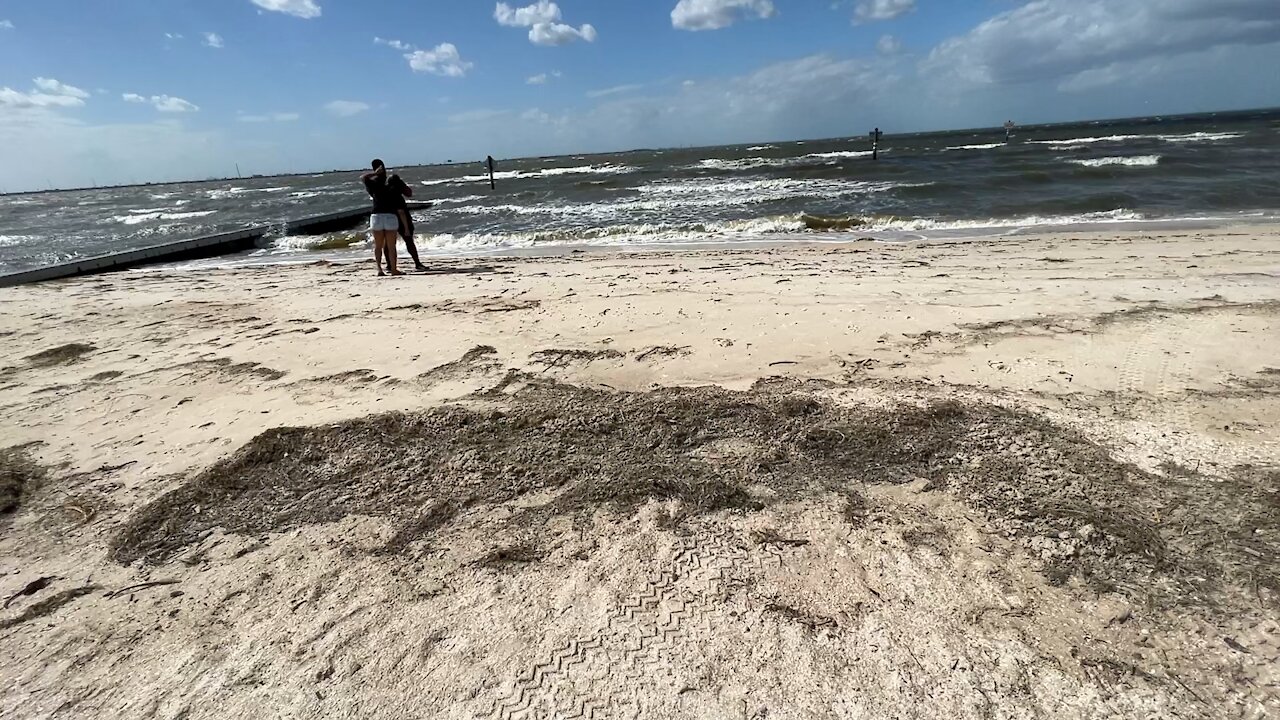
(458, 200)
(587, 170)
(1029, 221)
(1135, 161)
(545, 172)
(318, 242)
(759, 162)
(1183, 138)
(14, 240)
(223, 193)
(746, 191)
(1086, 141)
(152, 216)
(680, 197)
(742, 164)
(1200, 137)
(842, 154)
(504, 175)
(987, 146)
(744, 230)
(758, 148)
(615, 235)
(779, 228)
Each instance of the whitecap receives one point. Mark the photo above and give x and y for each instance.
(1087, 141)
(152, 216)
(988, 146)
(458, 200)
(842, 154)
(921, 224)
(1134, 161)
(545, 172)
(1200, 137)
(12, 240)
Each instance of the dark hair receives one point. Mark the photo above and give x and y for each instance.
(378, 164)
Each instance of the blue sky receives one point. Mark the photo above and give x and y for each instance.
(136, 90)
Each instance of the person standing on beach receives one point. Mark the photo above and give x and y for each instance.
(403, 191)
(384, 222)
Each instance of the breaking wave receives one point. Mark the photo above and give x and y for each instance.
(988, 146)
(524, 175)
(802, 226)
(1136, 161)
(142, 216)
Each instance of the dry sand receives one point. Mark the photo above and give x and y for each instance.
(1015, 478)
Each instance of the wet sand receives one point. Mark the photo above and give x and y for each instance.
(1019, 477)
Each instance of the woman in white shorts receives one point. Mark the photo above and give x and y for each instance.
(384, 223)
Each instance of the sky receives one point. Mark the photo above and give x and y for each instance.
(95, 92)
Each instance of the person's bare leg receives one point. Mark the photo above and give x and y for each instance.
(407, 233)
(377, 250)
(389, 249)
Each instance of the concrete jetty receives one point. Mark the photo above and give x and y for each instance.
(195, 248)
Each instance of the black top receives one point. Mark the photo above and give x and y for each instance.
(386, 201)
(399, 187)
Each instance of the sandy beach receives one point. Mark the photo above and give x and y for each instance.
(1005, 478)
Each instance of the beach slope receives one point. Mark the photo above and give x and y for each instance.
(1019, 477)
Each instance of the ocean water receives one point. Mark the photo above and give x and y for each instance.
(1210, 169)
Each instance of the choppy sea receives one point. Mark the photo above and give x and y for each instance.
(1211, 169)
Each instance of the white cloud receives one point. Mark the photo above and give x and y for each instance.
(173, 36)
(1086, 43)
(615, 90)
(888, 45)
(534, 115)
(213, 40)
(346, 108)
(544, 78)
(543, 20)
(163, 103)
(876, 10)
(48, 93)
(53, 87)
(444, 60)
(395, 44)
(269, 117)
(716, 14)
(543, 11)
(6, 25)
(547, 34)
(305, 9)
